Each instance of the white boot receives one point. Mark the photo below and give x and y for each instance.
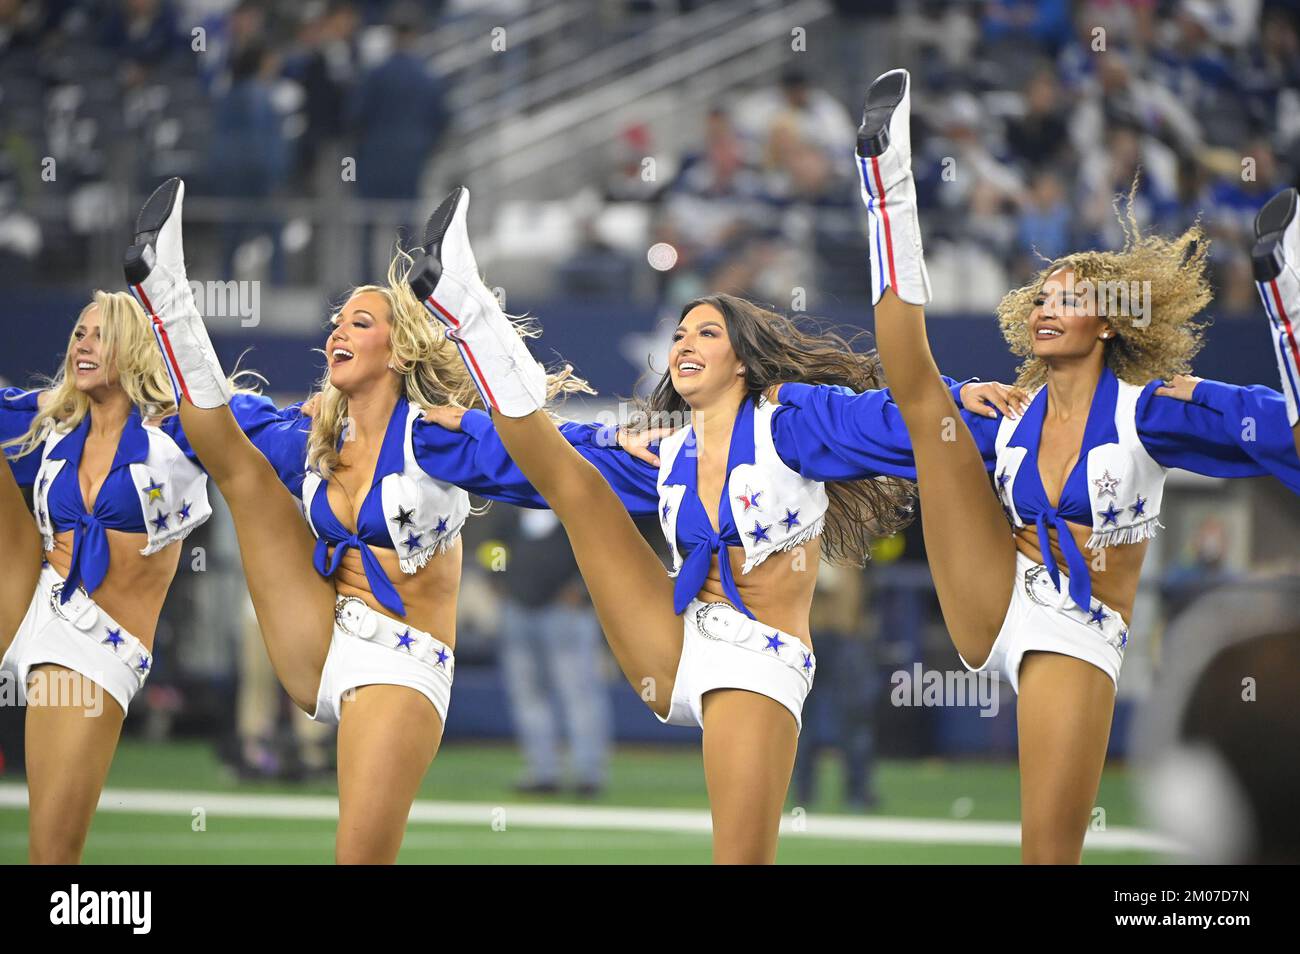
(1276, 260)
(446, 280)
(889, 192)
(155, 273)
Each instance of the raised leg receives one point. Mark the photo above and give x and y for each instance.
(388, 736)
(294, 604)
(631, 593)
(970, 549)
(749, 749)
(72, 733)
(1276, 260)
(1060, 758)
(629, 589)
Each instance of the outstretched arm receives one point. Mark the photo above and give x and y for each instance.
(279, 433)
(463, 448)
(1217, 429)
(17, 410)
(831, 433)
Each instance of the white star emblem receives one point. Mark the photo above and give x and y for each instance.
(1106, 484)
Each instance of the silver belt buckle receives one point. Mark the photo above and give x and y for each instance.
(714, 622)
(84, 612)
(354, 617)
(1035, 577)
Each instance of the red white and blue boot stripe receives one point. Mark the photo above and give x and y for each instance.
(446, 280)
(155, 274)
(1276, 263)
(884, 158)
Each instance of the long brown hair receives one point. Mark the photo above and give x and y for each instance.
(776, 350)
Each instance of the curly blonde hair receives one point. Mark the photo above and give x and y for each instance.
(431, 370)
(1171, 273)
(126, 344)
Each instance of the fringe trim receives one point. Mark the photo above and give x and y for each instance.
(171, 536)
(414, 562)
(1135, 533)
(802, 537)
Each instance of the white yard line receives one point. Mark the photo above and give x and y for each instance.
(594, 817)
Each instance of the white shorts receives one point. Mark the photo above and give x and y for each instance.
(369, 648)
(79, 636)
(1041, 618)
(722, 648)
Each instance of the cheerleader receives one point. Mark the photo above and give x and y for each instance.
(1079, 476)
(116, 489)
(357, 603)
(749, 497)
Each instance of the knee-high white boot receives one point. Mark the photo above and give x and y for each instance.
(155, 273)
(884, 157)
(1276, 261)
(446, 280)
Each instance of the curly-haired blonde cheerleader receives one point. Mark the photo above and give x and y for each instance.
(749, 496)
(116, 489)
(357, 604)
(1078, 477)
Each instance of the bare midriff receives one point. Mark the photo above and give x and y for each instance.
(779, 591)
(429, 594)
(1114, 570)
(135, 586)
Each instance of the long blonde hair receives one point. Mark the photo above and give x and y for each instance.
(1160, 347)
(430, 368)
(127, 344)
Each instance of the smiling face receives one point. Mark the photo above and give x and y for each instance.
(1064, 322)
(90, 368)
(359, 348)
(702, 363)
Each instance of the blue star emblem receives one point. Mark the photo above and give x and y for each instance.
(774, 643)
(405, 640)
(442, 658)
(403, 518)
(1003, 478)
(114, 638)
(1123, 639)
(759, 533)
(1140, 508)
(442, 525)
(44, 481)
(184, 512)
(160, 521)
(153, 491)
(412, 541)
(42, 515)
(1098, 615)
(791, 519)
(1109, 515)
(143, 665)
(807, 661)
(667, 508)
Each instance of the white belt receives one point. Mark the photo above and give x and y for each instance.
(85, 616)
(725, 623)
(1107, 623)
(355, 618)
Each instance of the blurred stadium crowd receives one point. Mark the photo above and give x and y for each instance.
(590, 132)
(1032, 115)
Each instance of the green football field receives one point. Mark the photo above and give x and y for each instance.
(175, 804)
